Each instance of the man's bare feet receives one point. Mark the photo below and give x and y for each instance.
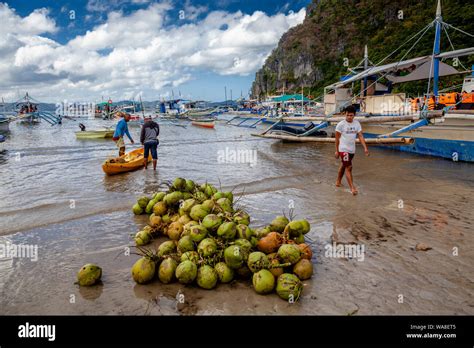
(338, 184)
(354, 191)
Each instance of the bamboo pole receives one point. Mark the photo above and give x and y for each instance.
(369, 141)
(371, 119)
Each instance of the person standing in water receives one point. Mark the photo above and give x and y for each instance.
(149, 140)
(120, 131)
(346, 132)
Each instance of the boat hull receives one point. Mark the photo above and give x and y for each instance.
(203, 124)
(99, 134)
(133, 161)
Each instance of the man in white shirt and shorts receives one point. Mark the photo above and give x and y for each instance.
(346, 133)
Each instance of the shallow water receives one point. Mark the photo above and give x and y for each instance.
(55, 195)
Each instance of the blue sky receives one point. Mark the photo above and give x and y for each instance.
(83, 50)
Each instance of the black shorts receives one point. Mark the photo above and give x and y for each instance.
(151, 146)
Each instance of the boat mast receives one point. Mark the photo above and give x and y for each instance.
(436, 49)
(366, 66)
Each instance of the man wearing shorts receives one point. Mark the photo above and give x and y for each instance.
(120, 131)
(346, 133)
(149, 139)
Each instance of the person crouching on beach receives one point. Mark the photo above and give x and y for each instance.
(346, 132)
(120, 130)
(149, 140)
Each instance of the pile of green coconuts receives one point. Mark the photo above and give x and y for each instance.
(210, 242)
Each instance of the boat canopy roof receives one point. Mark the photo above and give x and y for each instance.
(289, 97)
(418, 69)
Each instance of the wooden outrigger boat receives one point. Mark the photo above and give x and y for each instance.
(204, 123)
(95, 134)
(126, 163)
(434, 128)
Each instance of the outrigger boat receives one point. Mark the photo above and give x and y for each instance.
(204, 123)
(95, 134)
(436, 124)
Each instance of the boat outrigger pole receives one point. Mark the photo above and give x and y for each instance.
(436, 48)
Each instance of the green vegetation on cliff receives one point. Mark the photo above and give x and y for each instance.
(312, 54)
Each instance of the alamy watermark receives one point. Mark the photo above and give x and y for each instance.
(26, 251)
(346, 251)
(237, 156)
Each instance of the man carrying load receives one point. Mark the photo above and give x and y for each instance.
(346, 132)
(120, 130)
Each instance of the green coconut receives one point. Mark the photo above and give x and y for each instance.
(208, 205)
(225, 205)
(198, 212)
(187, 195)
(159, 196)
(198, 233)
(241, 217)
(212, 222)
(263, 282)
(188, 204)
(233, 256)
(149, 206)
(137, 210)
(289, 287)
(289, 253)
(167, 269)
(179, 184)
(186, 272)
(184, 219)
(160, 208)
(187, 227)
(224, 272)
(298, 227)
(166, 248)
(245, 246)
(244, 232)
(190, 186)
(174, 230)
(207, 247)
(154, 220)
(209, 190)
(257, 261)
(227, 230)
(142, 238)
(185, 244)
(303, 269)
(299, 239)
(230, 196)
(254, 241)
(278, 224)
(200, 196)
(192, 256)
(143, 202)
(262, 232)
(89, 274)
(207, 277)
(218, 195)
(143, 270)
(166, 218)
(173, 198)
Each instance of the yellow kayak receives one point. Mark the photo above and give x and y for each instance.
(126, 163)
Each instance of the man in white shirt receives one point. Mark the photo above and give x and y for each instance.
(346, 133)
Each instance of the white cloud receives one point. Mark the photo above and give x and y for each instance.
(142, 52)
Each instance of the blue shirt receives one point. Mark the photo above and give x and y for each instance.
(122, 129)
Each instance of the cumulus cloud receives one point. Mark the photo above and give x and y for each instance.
(135, 53)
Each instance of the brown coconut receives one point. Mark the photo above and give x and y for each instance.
(270, 243)
(306, 252)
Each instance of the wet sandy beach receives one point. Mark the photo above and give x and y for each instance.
(403, 200)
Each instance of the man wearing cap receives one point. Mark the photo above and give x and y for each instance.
(120, 131)
(149, 140)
